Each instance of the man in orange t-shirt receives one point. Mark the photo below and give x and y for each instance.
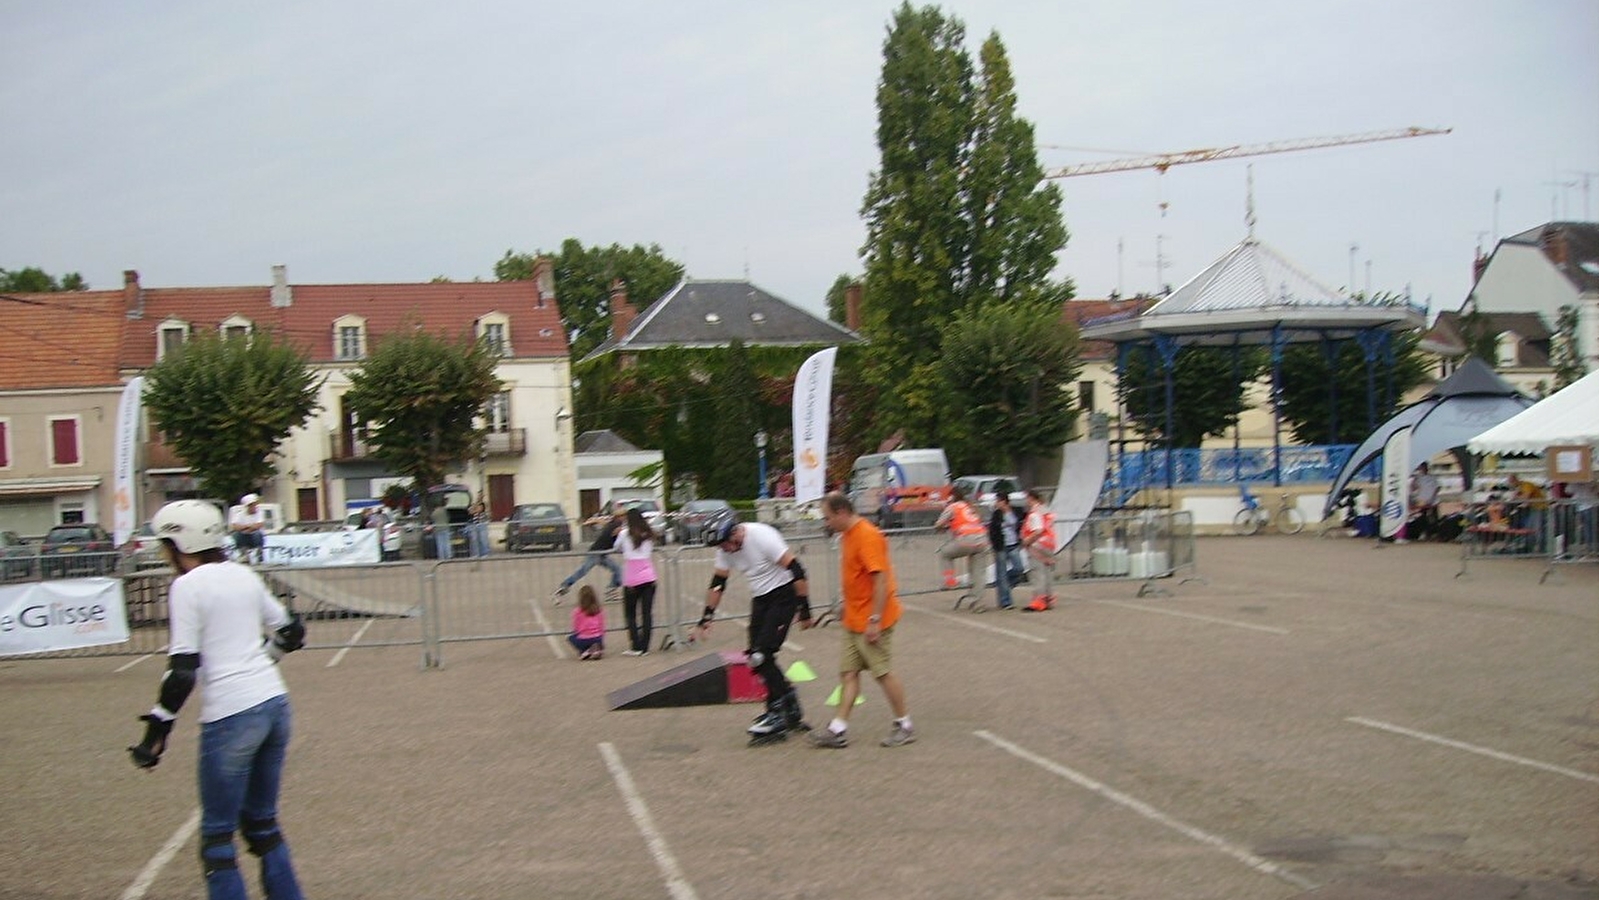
(871, 609)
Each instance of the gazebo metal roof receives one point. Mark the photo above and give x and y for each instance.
(1254, 295)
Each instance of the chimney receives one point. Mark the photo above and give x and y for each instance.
(543, 281)
(852, 306)
(1478, 266)
(132, 294)
(282, 294)
(622, 312)
(1554, 244)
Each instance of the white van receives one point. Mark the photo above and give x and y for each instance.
(900, 488)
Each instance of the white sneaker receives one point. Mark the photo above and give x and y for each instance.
(635, 652)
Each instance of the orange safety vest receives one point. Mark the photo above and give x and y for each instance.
(1042, 523)
(963, 521)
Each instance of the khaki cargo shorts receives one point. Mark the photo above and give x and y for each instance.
(858, 655)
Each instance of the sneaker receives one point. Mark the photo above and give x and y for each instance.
(834, 740)
(899, 736)
(633, 652)
(559, 593)
(586, 654)
(596, 653)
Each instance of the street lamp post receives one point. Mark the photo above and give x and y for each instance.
(760, 445)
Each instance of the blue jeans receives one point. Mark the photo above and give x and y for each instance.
(241, 769)
(589, 562)
(1007, 571)
(477, 538)
(441, 541)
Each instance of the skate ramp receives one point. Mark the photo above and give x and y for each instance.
(373, 594)
(713, 679)
(1083, 467)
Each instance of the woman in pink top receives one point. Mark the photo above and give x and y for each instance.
(588, 625)
(636, 543)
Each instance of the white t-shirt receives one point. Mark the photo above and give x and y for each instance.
(241, 515)
(757, 558)
(222, 611)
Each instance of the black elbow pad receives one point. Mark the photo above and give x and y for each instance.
(798, 570)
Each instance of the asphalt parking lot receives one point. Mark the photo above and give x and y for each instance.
(1314, 718)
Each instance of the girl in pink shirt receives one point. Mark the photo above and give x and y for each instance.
(588, 625)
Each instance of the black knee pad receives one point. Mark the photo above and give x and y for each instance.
(261, 836)
(217, 862)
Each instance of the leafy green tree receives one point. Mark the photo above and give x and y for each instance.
(420, 396)
(956, 216)
(1209, 390)
(1008, 368)
(33, 280)
(836, 307)
(1564, 352)
(1310, 381)
(224, 405)
(583, 277)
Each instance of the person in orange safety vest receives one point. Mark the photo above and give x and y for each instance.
(968, 535)
(1038, 539)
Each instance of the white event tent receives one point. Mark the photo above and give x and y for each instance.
(1567, 417)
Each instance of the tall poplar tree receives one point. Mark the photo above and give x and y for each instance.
(957, 217)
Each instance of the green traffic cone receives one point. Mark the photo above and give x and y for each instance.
(834, 698)
(799, 671)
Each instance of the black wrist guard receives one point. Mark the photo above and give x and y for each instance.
(148, 752)
(708, 616)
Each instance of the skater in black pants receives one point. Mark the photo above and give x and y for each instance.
(780, 590)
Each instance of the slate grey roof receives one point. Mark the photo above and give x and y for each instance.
(1581, 247)
(1532, 351)
(603, 441)
(712, 313)
(1248, 293)
(1473, 377)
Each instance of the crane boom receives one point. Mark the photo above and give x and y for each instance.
(1165, 161)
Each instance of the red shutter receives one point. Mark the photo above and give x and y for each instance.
(5, 447)
(64, 438)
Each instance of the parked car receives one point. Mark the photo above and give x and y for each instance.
(389, 541)
(688, 525)
(538, 525)
(653, 514)
(982, 489)
(16, 557)
(147, 548)
(81, 549)
(457, 501)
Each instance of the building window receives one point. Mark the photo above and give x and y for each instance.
(494, 330)
(170, 337)
(497, 413)
(349, 337)
(234, 327)
(1085, 396)
(5, 444)
(64, 442)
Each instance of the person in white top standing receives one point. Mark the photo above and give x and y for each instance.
(637, 544)
(227, 633)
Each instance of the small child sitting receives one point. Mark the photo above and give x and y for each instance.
(588, 625)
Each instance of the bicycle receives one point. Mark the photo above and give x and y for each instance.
(1253, 516)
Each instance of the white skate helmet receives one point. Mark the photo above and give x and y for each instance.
(191, 525)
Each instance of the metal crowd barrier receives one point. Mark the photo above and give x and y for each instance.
(1560, 531)
(428, 604)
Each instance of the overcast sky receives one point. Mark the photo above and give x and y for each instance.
(202, 142)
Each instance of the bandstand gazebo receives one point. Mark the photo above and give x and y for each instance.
(1253, 296)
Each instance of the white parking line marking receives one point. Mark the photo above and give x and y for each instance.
(352, 642)
(139, 659)
(967, 621)
(1473, 748)
(556, 648)
(163, 856)
(1265, 867)
(1182, 615)
(664, 860)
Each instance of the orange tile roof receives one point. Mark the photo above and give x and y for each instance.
(446, 309)
(60, 340)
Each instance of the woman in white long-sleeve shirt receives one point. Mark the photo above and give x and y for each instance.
(227, 633)
(637, 545)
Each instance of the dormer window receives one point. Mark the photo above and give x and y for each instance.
(235, 326)
(349, 338)
(170, 337)
(494, 330)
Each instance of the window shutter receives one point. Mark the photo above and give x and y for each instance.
(64, 441)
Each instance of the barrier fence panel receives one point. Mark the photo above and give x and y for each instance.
(1561, 531)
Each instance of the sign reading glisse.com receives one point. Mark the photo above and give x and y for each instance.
(61, 615)
(323, 548)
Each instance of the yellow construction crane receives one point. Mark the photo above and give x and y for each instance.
(1164, 161)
